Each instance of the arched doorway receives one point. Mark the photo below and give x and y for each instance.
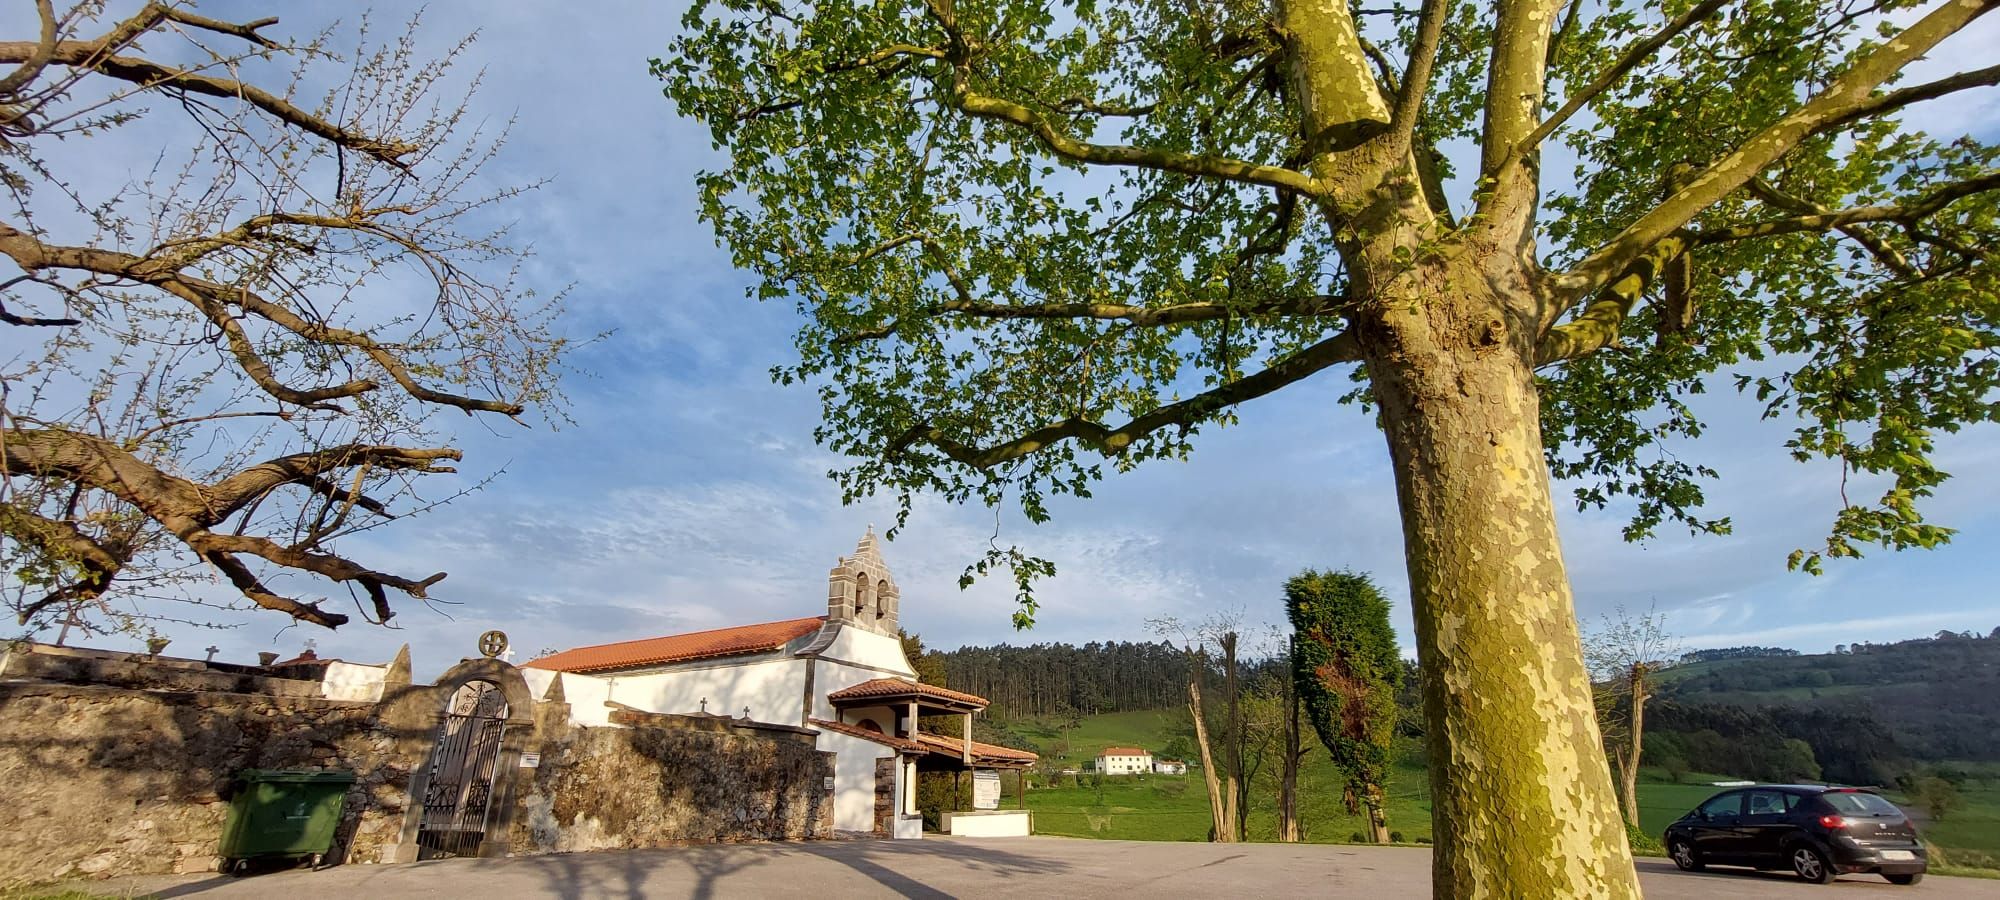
(458, 792)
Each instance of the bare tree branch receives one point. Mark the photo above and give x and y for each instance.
(38, 58)
(190, 510)
(233, 269)
(100, 56)
(213, 300)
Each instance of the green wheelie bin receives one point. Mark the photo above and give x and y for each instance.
(282, 813)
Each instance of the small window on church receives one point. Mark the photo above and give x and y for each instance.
(869, 724)
(881, 590)
(860, 594)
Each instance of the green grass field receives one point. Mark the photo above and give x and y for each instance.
(1969, 835)
(1175, 807)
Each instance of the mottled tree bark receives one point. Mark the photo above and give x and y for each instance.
(1523, 804)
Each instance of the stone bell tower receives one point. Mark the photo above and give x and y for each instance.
(860, 591)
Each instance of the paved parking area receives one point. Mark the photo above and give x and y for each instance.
(1039, 867)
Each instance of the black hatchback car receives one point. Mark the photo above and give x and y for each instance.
(1816, 830)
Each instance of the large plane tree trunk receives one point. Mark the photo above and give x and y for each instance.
(1522, 797)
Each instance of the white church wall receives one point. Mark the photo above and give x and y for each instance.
(853, 779)
(882, 655)
(866, 648)
(585, 695)
(771, 688)
(349, 681)
(538, 681)
(884, 717)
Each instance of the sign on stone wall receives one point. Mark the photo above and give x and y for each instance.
(985, 789)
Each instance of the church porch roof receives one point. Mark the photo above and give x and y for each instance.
(899, 743)
(889, 690)
(983, 754)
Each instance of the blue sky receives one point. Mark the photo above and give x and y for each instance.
(688, 494)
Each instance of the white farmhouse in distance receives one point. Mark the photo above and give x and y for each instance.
(1169, 767)
(1124, 761)
(841, 677)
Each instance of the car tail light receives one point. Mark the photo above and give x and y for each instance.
(1832, 823)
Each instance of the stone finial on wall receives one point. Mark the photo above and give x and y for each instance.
(399, 669)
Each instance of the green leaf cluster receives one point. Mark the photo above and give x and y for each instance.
(1346, 667)
(962, 284)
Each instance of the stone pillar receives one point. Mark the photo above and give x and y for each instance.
(885, 796)
(840, 595)
(891, 605)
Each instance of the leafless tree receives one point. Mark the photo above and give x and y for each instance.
(1224, 788)
(1625, 653)
(220, 366)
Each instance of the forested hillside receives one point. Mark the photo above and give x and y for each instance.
(1938, 697)
(1918, 717)
(1049, 679)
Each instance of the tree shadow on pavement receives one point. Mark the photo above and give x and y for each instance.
(875, 859)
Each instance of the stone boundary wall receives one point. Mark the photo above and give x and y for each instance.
(656, 779)
(115, 764)
(103, 781)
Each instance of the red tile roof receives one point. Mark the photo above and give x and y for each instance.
(679, 647)
(954, 746)
(904, 744)
(885, 688)
(1122, 751)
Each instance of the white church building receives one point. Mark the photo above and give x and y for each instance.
(842, 675)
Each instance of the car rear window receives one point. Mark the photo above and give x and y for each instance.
(1859, 803)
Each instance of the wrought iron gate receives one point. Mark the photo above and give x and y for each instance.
(460, 787)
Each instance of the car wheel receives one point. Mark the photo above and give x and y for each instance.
(1683, 854)
(1811, 865)
(1911, 878)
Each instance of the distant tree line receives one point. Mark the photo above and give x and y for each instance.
(1717, 654)
(1871, 715)
(1055, 679)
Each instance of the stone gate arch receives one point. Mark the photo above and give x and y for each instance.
(477, 717)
